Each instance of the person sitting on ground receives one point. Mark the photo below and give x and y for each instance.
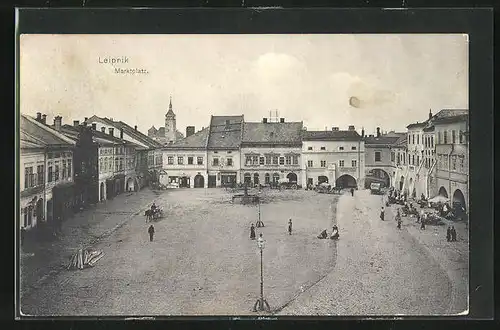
(323, 235)
(335, 232)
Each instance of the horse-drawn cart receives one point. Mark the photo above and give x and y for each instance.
(153, 214)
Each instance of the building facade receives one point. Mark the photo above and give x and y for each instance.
(335, 157)
(271, 152)
(46, 178)
(452, 153)
(223, 150)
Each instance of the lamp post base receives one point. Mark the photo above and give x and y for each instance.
(261, 305)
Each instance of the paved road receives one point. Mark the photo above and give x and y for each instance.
(201, 260)
(380, 269)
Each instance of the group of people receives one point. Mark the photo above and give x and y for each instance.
(151, 229)
(334, 235)
(451, 234)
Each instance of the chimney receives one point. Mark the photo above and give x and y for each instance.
(430, 113)
(121, 133)
(282, 120)
(94, 126)
(371, 135)
(264, 120)
(76, 123)
(57, 123)
(363, 132)
(39, 116)
(135, 128)
(378, 131)
(44, 119)
(103, 129)
(351, 127)
(335, 128)
(189, 130)
(111, 131)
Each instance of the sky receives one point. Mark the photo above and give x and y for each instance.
(324, 80)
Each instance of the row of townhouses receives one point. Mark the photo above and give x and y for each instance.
(64, 168)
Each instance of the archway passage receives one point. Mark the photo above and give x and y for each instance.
(184, 182)
(459, 200)
(130, 184)
(322, 179)
(101, 191)
(292, 177)
(199, 181)
(256, 178)
(443, 192)
(346, 181)
(379, 176)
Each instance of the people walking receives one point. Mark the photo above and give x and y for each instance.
(252, 231)
(448, 234)
(151, 232)
(399, 223)
(290, 227)
(352, 192)
(453, 234)
(422, 223)
(382, 214)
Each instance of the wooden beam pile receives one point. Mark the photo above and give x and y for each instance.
(84, 258)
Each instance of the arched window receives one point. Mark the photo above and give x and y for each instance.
(267, 178)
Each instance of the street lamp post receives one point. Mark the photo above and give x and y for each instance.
(261, 304)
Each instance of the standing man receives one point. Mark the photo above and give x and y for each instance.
(398, 219)
(252, 232)
(453, 234)
(352, 192)
(382, 214)
(448, 234)
(290, 227)
(151, 232)
(422, 223)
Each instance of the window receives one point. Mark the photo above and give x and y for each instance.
(267, 178)
(454, 162)
(28, 177)
(460, 137)
(295, 160)
(215, 162)
(261, 160)
(418, 160)
(341, 148)
(413, 138)
(341, 163)
(180, 160)
(170, 160)
(323, 163)
(200, 160)
(432, 141)
(190, 160)
(453, 137)
(439, 138)
(353, 148)
(462, 163)
(445, 137)
(268, 160)
(229, 162)
(393, 156)
(354, 163)
(282, 160)
(229, 152)
(56, 173)
(39, 174)
(323, 148)
(288, 160)
(413, 159)
(377, 156)
(309, 148)
(248, 160)
(445, 158)
(275, 160)
(216, 152)
(409, 138)
(309, 163)
(418, 138)
(255, 160)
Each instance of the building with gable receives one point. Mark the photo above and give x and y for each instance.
(223, 150)
(46, 173)
(270, 152)
(335, 157)
(169, 133)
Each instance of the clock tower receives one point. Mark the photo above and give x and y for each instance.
(170, 124)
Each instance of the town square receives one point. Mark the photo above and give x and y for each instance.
(249, 181)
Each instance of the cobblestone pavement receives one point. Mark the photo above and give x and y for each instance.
(41, 260)
(201, 260)
(381, 270)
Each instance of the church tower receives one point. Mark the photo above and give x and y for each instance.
(170, 125)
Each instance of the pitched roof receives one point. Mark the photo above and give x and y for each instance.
(444, 113)
(196, 141)
(222, 137)
(43, 133)
(330, 136)
(451, 119)
(99, 137)
(272, 133)
(401, 142)
(382, 140)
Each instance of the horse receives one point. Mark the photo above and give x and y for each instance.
(149, 214)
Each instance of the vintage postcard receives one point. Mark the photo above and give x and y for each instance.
(243, 174)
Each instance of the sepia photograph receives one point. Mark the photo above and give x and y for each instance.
(243, 174)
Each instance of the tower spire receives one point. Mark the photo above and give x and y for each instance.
(170, 105)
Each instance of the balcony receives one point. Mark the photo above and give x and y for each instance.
(32, 190)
